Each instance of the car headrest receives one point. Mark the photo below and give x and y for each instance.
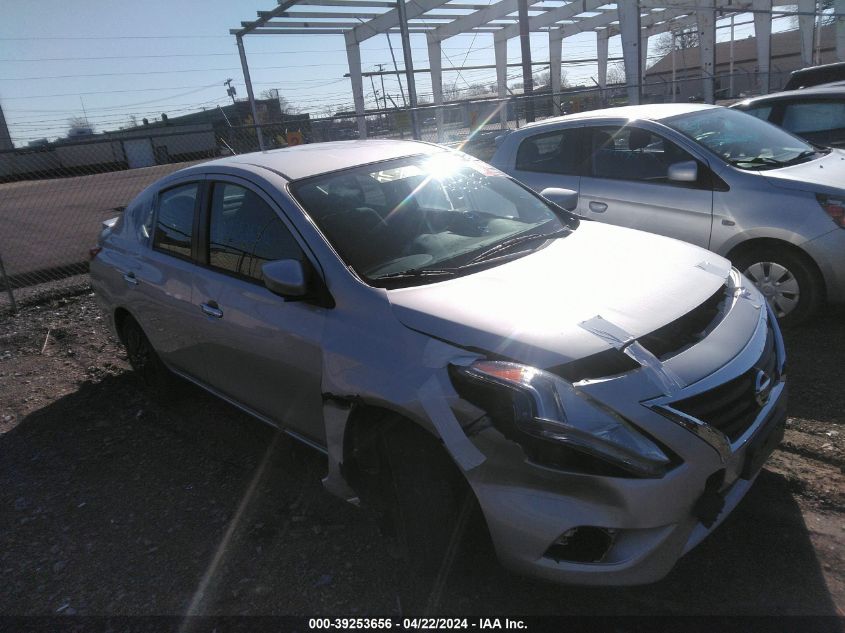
(638, 138)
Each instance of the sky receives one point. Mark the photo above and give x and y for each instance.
(108, 61)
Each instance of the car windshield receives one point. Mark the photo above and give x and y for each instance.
(423, 218)
(743, 140)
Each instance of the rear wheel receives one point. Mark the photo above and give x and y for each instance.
(145, 361)
(788, 282)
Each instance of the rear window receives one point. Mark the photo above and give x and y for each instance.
(552, 153)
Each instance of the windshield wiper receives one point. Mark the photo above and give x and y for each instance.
(758, 160)
(805, 154)
(417, 273)
(514, 241)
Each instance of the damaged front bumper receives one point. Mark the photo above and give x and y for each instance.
(582, 528)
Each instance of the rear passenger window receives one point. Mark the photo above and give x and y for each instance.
(244, 233)
(761, 112)
(175, 220)
(552, 153)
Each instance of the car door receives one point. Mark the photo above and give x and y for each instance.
(161, 279)
(550, 159)
(627, 184)
(262, 351)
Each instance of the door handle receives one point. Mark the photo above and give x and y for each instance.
(598, 207)
(211, 309)
(130, 279)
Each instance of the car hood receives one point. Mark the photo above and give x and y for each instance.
(529, 309)
(823, 175)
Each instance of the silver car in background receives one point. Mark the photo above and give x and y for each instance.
(450, 339)
(768, 201)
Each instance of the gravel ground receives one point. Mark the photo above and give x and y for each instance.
(112, 504)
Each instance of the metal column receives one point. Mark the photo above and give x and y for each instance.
(806, 29)
(629, 26)
(763, 35)
(527, 71)
(249, 92)
(500, 47)
(409, 67)
(435, 64)
(706, 19)
(555, 54)
(839, 12)
(353, 58)
(601, 56)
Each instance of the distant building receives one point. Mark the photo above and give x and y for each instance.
(785, 57)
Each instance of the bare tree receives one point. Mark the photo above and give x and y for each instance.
(79, 126)
(615, 74)
(682, 39)
(285, 106)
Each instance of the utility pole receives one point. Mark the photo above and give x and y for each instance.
(375, 92)
(230, 89)
(383, 92)
(525, 45)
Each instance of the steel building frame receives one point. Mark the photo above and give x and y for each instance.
(634, 20)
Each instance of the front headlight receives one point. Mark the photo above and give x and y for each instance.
(541, 411)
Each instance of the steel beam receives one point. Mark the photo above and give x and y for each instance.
(472, 20)
(629, 25)
(435, 64)
(353, 57)
(500, 48)
(555, 58)
(763, 36)
(806, 30)
(556, 15)
(409, 66)
(601, 57)
(390, 19)
(706, 20)
(240, 41)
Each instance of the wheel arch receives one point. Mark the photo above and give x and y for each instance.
(767, 243)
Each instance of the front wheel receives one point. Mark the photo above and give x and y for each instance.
(790, 284)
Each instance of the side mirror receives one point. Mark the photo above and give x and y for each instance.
(286, 277)
(686, 171)
(565, 198)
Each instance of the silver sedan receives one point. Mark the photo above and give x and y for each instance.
(450, 340)
(767, 200)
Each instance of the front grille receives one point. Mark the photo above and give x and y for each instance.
(687, 330)
(665, 342)
(732, 407)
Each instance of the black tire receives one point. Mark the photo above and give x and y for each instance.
(790, 283)
(432, 504)
(146, 362)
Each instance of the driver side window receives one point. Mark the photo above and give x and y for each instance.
(633, 153)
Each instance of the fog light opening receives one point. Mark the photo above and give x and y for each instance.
(583, 544)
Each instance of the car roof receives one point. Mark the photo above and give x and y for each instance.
(304, 161)
(651, 112)
(827, 91)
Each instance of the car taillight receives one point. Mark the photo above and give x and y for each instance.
(92, 253)
(834, 207)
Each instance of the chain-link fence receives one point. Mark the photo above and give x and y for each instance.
(55, 196)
